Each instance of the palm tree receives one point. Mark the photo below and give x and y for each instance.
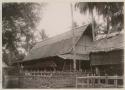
(112, 11)
(88, 6)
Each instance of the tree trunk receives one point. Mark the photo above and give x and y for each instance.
(73, 40)
(27, 42)
(11, 57)
(93, 27)
(108, 25)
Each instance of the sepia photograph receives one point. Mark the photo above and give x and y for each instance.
(62, 45)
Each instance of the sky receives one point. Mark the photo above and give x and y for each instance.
(56, 18)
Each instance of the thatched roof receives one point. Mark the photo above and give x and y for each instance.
(62, 45)
(55, 46)
(109, 44)
(78, 56)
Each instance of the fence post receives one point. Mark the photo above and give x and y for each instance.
(76, 81)
(19, 81)
(83, 82)
(93, 80)
(99, 81)
(116, 81)
(106, 80)
(87, 81)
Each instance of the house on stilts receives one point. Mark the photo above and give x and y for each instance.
(99, 57)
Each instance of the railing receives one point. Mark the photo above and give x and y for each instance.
(42, 79)
(99, 81)
(50, 73)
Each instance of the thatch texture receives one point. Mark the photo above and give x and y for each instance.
(62, 45)
(109, 44)
(57, 45)
(78, 56)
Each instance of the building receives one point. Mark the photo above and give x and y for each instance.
(108, 56)
(56, 53)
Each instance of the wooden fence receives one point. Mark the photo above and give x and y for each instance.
(58, 79)
(50, 74)
(99, 82)
(41, 80)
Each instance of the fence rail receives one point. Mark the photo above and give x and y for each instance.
(58, 79)
(32, 81)
(48, 73)
(99, 81)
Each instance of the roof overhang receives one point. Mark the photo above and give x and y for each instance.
(77, 57)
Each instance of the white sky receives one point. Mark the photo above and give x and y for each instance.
(56, 18)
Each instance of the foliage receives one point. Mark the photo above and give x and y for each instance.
(112, 11)
(18, 26)
(43, 35)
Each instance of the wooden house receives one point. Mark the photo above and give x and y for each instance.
(108, 55)
(57, 53)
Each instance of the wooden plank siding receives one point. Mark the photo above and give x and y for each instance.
(103, 58)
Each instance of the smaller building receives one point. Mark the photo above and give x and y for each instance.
(108, 56)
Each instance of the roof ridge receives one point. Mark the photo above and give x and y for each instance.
(111, 36)
(59, 35)
(62, 33)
